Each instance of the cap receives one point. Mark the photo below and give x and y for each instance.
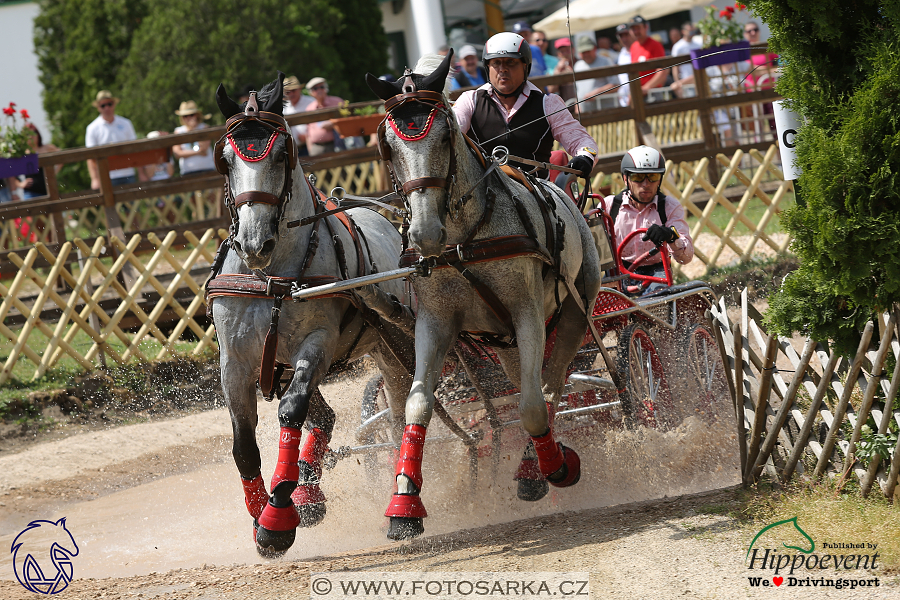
(291, 83)
(190, 108)
(637, 20)
(585, 44)
(521, 26)
(467, 50)
(104, 95)
(562, 42)
(622, 27)
(314, 82)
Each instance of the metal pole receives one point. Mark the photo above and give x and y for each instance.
(330, 288)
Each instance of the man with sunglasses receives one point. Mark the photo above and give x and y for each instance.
(642, 205)
(108, 128)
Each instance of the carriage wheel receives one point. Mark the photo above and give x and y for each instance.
(647, 400)
(706, 376)
(373, 402)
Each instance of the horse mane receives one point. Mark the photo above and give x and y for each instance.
(427, 65)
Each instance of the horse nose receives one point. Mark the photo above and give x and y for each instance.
(258, 257)
(428, 245)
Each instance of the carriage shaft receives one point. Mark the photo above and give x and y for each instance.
(356, 282)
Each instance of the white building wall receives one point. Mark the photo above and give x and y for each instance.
(19, 66)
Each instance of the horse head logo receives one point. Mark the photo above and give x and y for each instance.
(793, 521)
(42, 556)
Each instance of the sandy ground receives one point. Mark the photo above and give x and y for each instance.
(157, 512)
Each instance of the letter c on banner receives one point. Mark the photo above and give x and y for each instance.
(784, 138)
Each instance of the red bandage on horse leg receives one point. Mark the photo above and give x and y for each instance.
(288, 454)
(406, 505)
(550, 456)
(411, 450)
(279, 519)
(255, 495)
(314, 449)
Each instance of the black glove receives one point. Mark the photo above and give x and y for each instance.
(659, 234)
(582, 163)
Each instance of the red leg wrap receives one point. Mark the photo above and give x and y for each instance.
(529, 469)
(405, 505)
(279, 519)
(288, 454)
(572, 471)
(314, 449)
(410, 463)
(549, 452)
(255, 495)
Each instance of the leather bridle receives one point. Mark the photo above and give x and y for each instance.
(278, 125)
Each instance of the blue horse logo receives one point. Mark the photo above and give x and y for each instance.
(42, 556)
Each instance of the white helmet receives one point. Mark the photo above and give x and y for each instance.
(643, 159)
(504, 45)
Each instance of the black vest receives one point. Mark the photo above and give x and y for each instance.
(534, 141)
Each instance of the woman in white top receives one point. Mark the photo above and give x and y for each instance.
(193, 157)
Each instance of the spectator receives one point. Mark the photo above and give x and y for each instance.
(470, 73)
(297, 103)
(320, 135)
(539, 39)
(159, 171)
(108, 128)
(6, 189)
(675, 36)
(538, 67)
(193, 157)
(604, 48)
(590, 59)
(646, 48)
(564, 65)
(36, 186)
(626, 38)
(443, 50)
(762, 63)
(684, 74)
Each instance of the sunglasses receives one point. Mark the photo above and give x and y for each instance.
(540, 41)
(317, 87)
(641, 177)
(106, 105)
(751, 30)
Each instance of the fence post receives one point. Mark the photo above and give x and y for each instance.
(710, 140)
(866, 484)
(841, 409)
(739, 396)
(637, 103)
(762, 402)
(113, 223)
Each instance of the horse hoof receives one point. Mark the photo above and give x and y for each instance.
(311, 514)
(405, 528)
(273, 544)
(532, 490)
(570, 472)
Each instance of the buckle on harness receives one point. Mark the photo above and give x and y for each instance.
(424, 266)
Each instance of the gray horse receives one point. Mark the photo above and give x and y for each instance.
(458, 211)
(270, 249)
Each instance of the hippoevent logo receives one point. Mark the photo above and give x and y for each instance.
(776, 566)
(42, 556)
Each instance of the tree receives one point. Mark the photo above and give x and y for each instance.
(841, 74)
(363, 47)
(80, 47)
(184, 50)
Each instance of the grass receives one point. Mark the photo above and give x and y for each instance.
(754, 212)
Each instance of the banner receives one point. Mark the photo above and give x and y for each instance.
(787, 122)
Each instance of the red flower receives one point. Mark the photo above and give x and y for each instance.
(725, 14)
(12, 104)
(9, 111)
(730, 9)
(24, 114)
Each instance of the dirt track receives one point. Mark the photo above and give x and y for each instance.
(157, 512)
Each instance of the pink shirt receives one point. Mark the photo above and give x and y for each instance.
(566, 130)
(315, 133)
(635, 216)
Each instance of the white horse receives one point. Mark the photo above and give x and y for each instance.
(270, 249)
(498, 271)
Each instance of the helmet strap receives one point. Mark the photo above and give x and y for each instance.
(515, 93)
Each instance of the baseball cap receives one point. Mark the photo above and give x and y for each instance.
(314, 82)
(562, 43)
(585, 44)
(521, 26)
(467, 50)
(637, 20)
(621, 27)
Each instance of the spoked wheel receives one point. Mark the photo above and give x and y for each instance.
(648, 400)
(373, 402)
(706, 376)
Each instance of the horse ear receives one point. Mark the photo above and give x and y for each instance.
(435, 82)
(275, 103)
(383, 89)
(228, 106)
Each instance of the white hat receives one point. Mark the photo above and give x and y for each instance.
(468, 50)
(314, 82)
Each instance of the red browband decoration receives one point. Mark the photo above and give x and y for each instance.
(265, 153)
(418, 136)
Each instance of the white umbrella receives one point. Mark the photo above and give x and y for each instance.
(590, 15)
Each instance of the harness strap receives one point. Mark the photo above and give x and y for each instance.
(660, 206)
(256, 196)
(423, 183)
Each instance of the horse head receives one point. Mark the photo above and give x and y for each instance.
(257, 155)
(417, 142)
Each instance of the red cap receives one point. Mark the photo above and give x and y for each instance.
(563, 41)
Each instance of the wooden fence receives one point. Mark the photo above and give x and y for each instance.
(807, 413)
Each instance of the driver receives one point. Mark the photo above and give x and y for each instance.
(491, 113)
(643, 205)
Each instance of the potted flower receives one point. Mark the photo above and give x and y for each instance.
(722, 38)
(360, 121)
(16, 157)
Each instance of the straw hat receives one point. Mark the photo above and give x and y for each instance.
(314, 82)
(292, 83)
(190, 108)
(104, 95)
